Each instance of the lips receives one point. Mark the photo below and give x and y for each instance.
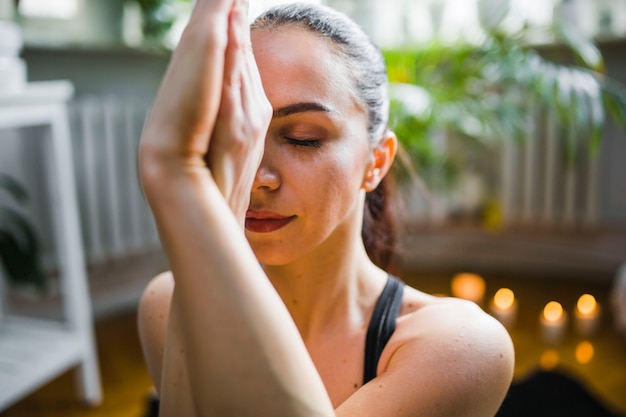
(265, 222)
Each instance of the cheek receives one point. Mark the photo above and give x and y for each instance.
(344, 177)
(351, 161)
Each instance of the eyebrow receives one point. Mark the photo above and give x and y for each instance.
(300, 108)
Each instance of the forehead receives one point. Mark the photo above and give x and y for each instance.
(297, 65)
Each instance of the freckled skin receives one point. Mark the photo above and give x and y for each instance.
(322, 186)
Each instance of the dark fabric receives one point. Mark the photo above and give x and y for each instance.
(382, 325)
(152, 406)
(551, 394)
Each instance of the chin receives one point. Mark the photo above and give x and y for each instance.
(273, 257)
(272, 253)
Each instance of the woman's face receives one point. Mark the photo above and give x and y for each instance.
(309, 187)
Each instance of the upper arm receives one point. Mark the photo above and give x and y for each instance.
(454, 361)
(152, 319)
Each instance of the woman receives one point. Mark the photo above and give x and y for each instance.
(256, 160)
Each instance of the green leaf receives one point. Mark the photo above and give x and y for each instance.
(14, 188)
(12, 257)
(596, 110)
(19, 249)
(546, 81)
(581, 106)
(615, 103)
(412, 99)
(582, 46)
(491, 13)
(564, 88)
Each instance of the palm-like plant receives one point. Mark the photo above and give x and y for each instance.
(158, 18)
(489, 91)
(19, 249)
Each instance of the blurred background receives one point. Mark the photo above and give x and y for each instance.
(512, 117)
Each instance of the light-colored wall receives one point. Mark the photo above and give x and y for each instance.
(99, 71)
(98, 23)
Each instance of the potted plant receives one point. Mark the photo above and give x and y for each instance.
(19, 247)
(162, 21)
(484, 94)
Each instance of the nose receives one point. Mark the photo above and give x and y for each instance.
(267, 177)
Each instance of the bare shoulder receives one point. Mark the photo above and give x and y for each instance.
(452, 319)
(160, 287)
(447, 357)
(152, 318)
(472, 341)
(156, 299)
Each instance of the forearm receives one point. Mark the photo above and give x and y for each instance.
(175, 394)
(239, 348)
(244, 352)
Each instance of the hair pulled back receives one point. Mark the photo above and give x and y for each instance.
(369, 75)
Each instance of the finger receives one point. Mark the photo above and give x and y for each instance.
(204, 7)
(233, 58)
(209, 16)
(254, 76)
(244, 7)
(254, 94)
(240, 33)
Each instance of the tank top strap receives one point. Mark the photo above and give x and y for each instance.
(382, 325)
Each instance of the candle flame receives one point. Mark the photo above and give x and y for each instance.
(549, 359)
(504, 298)
(468, 286)
(586, 304)
(553, 311)
(584, 352)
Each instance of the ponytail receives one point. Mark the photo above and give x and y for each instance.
(379, 226)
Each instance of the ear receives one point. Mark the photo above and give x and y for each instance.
(382, 158)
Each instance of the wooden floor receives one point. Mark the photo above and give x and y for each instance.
(124, 376)
(127, 385)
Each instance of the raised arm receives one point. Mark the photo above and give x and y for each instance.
(239, 350)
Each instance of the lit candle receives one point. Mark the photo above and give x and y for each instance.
(553, 322)
(469, 287)
(504, 307)
(587, 315)
(584, 352)
(549, 360)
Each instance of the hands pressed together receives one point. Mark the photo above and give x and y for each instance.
(199, 153)
(211, 114)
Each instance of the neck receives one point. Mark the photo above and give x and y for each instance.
(333, 286)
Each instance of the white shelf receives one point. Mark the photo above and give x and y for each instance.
(33, 352)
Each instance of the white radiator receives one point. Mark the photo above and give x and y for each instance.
(540, 186)
(529, 183)
(116, 221)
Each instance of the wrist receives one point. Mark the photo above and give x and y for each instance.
(161, 169)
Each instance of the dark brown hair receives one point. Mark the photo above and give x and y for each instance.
(369, 76)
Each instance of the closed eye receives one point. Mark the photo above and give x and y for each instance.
(306, 143)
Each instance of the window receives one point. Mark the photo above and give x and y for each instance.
(54, 9)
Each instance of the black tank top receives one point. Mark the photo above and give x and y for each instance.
(382, 325)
